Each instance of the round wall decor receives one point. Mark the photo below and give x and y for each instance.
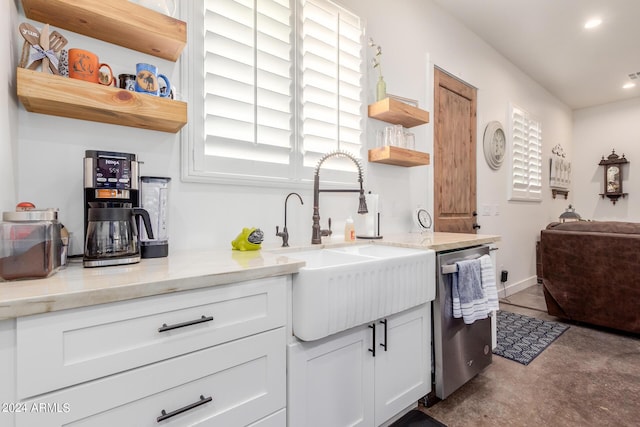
(495, 144)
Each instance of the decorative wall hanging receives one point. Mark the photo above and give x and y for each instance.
(495, 144)
(613, 176)
(559, 172)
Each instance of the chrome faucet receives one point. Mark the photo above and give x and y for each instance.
(316, 231)
(285, 233)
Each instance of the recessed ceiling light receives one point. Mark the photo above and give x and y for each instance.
(592, 23)
(628, 85)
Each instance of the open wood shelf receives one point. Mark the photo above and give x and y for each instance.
(115, 21)
(397, 156)
(60, 96)
(393, 111)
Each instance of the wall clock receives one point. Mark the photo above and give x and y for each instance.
(495, 144)
(613, 176)
(422, 218)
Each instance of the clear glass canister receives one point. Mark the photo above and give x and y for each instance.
(30, 244)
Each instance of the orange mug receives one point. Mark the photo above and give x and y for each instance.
(84, 65)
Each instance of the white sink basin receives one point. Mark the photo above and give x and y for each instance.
(340, 288)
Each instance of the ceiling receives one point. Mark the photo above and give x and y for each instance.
(547, 40)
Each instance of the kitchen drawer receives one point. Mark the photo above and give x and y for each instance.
(279, 419)
(64, 348)
(244, 378)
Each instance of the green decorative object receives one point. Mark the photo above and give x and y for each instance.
(249, 239)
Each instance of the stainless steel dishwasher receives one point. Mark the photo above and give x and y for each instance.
(460, 351)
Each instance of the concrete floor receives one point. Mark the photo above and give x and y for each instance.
(587, 377)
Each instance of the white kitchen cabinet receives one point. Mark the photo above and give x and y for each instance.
(337, 381)
(113, 364)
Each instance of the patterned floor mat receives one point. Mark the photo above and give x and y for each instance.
(522, 338)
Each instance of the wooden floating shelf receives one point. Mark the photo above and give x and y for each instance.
(397, 156)
(61, 96)
(555, 192)
(115, 21)
(393, 111)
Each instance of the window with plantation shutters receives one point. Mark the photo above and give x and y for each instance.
(281, 86)
(526, 156)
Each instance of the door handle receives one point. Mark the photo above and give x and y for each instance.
(373, 339)
(384, 322)
(476, 226)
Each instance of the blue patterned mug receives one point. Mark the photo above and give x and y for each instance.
(147, 80)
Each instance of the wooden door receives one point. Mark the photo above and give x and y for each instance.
(454, 163)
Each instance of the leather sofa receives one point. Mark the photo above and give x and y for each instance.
(591, 272)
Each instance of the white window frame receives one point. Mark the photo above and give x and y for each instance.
(336, 171)
(525, 154)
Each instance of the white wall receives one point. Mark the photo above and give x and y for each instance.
(430, 37)
(8, 105)
(415, 35)
(597, 131)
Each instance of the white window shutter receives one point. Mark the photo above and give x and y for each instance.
(248, 88)
(526, 156)
(331, 88)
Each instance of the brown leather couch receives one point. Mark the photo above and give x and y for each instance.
(591, 272)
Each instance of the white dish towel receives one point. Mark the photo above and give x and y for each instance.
(489, 282)
(469, 301)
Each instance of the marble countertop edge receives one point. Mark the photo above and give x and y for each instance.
(75, 286)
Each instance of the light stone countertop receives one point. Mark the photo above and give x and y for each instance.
(75, 286)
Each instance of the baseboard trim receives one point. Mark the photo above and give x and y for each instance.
(504, 292)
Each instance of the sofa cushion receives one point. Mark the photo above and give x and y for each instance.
(597, 226)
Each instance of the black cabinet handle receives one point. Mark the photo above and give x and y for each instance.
(166, 416)
(166, 327)
(373, 339)
(384, 322)
(476, 226)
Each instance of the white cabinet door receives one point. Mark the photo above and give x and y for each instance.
(402, 372)
(331, 381)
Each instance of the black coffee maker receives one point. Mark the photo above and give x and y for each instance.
(111, 209)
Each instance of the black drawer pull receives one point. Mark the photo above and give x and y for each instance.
(166, 416)
(166, 327)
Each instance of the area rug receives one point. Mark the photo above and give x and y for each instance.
(522, 338)
(417, 418)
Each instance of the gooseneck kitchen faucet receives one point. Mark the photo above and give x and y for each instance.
(316, 231)
(285, 233)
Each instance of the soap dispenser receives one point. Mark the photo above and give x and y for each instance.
(349, 231)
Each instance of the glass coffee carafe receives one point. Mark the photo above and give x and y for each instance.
(112, 234)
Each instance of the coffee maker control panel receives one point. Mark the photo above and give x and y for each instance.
(110, 170)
